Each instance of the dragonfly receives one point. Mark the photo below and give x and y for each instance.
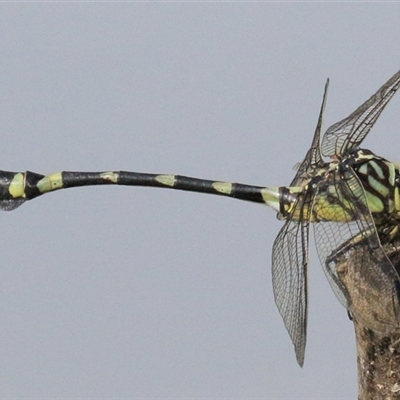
(351, 198)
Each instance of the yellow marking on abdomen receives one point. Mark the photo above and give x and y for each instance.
(271, 197)
(324, 210)
(17, 186)
(50, 182)
(110, 176)
(167, 180)
(223, 187)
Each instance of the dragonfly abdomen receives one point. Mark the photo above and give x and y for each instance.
(28, 185)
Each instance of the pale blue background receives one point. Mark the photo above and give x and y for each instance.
(144, 293)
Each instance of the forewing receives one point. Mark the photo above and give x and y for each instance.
(313, 157)
(289, 277)
(348, 133)
(368, 284)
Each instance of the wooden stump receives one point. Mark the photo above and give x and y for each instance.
(378, 364)
(378, 348)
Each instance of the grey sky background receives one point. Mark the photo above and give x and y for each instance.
(114, 292)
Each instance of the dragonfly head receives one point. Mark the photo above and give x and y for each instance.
(362, 155)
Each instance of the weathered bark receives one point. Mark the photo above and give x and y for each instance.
(378, 364)
(378, 353)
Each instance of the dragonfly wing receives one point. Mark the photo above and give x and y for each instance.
(348, 133)
(313, 157)
(357, 267)
(289, 278)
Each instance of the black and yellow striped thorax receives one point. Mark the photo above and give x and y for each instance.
(380, 180)
(359, 183)
(345, 189)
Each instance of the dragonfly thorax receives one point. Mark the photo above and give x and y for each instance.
(353, 203)
(380, 180)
